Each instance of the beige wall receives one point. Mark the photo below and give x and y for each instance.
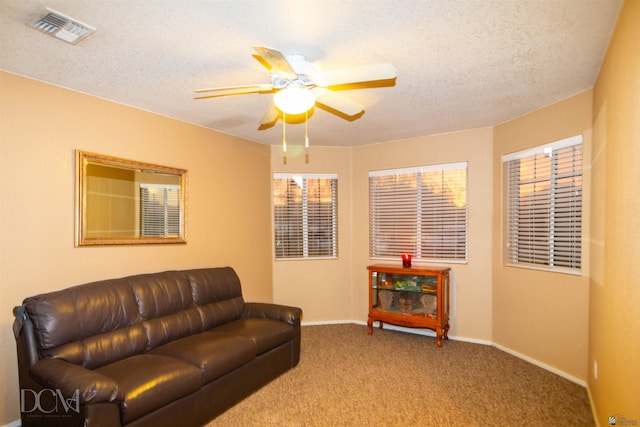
(42, 125)
(471, 292)
(538, 314)
(614, 331)
(322, 288)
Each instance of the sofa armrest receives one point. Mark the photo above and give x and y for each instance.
(93, 387)
(290, 315)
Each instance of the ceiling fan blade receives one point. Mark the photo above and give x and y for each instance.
(233, 90)
(338, 103)
(359, 74)
(270, 117)
(276, 60)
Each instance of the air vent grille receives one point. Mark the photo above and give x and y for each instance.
(61, 26)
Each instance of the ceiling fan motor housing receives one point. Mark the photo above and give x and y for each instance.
(307, 72)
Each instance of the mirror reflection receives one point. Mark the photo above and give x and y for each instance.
(128, 202)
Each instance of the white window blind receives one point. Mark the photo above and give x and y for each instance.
(159, 210)
(421, 210)
(305, 215)
(544, 206)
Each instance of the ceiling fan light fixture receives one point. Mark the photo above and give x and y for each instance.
(294, 100)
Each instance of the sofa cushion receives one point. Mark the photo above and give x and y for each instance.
(160, 294)
(218, 294)
(213, 353)
(89, 325)
(81, 311)
(265, 333)
(150, 381)
(172, 327)
(213, 284)
(102, 349)
(218, 313)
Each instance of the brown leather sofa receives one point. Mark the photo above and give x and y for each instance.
(175, 348)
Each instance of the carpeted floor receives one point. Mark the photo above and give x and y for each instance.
(348, 378)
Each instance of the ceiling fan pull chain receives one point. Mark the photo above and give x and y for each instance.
(306, 129)
(306, 136)
(284, 132)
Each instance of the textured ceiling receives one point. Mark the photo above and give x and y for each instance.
(461, 64)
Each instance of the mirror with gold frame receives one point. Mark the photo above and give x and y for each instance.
(126, 202)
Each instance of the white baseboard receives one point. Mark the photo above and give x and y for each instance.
(430, 333)
(15, 423)
(556, 371)
(331, 322)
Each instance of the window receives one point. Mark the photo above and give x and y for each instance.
(159, 210)
(421, 210)
(305, 215)
(544, 206)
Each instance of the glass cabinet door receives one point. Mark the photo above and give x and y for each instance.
(405, 294)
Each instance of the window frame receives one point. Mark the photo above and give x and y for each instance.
(510, 213)
(415, 237)
(332, 230)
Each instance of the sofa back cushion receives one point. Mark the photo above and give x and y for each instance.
(99, 350)
(101, 322)
(160, 294)
(172, 327)
(166, 306)
(217, 294)
(87, 324)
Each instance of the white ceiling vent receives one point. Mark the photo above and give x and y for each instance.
(61, 26)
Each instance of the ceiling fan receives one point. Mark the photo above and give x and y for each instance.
(294, 78)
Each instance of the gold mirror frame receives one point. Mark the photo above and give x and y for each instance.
(99, 176)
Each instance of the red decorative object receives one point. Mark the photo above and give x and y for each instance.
(406, 260)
